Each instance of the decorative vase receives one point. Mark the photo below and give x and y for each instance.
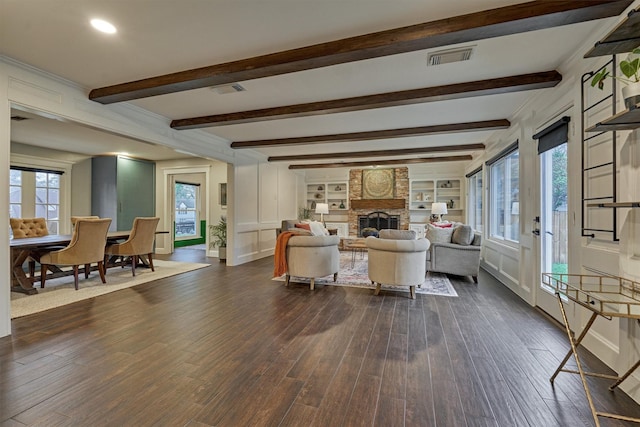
(342, 204)
(631, 95)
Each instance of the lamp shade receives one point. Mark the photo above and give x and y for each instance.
(322, 208)
(438, 208)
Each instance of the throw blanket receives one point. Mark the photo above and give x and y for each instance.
(280, 255)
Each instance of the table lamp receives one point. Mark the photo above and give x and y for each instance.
(439, 209)
(322, 208)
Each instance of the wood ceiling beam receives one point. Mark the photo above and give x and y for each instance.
(378, 153)
(378, 134)
(513, 19)
(381, 162)
(381, 100)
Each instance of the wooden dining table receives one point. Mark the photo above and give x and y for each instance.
(22, 248)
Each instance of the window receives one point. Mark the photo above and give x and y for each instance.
(474, 184)
(15, 194)
(186, 211)
(504, 196)
(47, 199)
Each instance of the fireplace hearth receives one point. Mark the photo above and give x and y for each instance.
(378, 220)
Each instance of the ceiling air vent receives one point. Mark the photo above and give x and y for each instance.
(229, 88)
(449, 56)
(19, 118)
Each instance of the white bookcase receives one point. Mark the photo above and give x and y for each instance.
(335, 194)
(423, 192)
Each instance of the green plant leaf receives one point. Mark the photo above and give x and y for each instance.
(630, 68)
(599, 77)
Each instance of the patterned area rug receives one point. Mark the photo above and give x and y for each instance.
(60, 291)
(356, 276)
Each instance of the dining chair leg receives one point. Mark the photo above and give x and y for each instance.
(32, 270)
(101, 270)
(43, 274)
(312, 285)
(75, 276)
(412, 289)
(87, 270)
(150, 257)
(134, 261)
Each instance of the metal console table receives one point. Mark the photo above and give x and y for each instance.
(604, 296)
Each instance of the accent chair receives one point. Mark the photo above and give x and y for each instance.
(397, 261)
(140, 242)
(87, 245)
(312, 256)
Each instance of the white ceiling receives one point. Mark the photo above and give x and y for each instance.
(156, 37)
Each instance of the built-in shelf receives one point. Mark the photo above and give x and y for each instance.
(624, 120)
(615, 205)
(624, 38)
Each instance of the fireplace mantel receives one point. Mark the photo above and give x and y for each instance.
(378, 204)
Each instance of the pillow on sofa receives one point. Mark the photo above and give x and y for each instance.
(439, 235)
(462, 235)
(317, 229)
(303, 226)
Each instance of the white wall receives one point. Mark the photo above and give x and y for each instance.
(261, 196)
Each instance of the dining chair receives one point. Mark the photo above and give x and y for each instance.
(140, 242)
(30, 227)
(87, 246)
(75, 219)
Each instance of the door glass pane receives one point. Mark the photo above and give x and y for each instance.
(186, 211)
(554, 215)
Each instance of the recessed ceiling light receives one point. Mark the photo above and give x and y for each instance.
(103, 26)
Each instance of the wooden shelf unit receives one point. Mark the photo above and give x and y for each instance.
(624, 38)
(332, 193)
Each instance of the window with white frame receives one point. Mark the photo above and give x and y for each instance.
(15, 194)
(474, 184)
(504, 195)
(35, 193)
(47, 199)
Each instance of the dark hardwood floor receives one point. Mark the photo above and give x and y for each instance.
(227, 346)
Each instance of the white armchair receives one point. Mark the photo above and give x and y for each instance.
(397, 262)
(312, 256)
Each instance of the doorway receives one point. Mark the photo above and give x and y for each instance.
(552, 224)
(187, 211)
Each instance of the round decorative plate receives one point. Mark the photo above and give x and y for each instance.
(378, 184)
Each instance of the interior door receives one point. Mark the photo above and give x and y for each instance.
(551, 227)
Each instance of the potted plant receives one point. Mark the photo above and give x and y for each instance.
(304, 213)
(218, 234)
(630, 69)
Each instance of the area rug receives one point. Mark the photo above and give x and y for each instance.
(60, 291)
(356, 276)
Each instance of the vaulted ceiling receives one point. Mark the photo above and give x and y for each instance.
(326, 83)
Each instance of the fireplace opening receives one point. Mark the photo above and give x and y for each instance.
(378, 220)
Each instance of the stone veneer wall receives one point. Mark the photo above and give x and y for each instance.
(401, 192)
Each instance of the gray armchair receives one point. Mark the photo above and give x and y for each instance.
(312, 256)
(452, 257)
(398, 259)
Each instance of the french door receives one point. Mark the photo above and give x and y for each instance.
(187, 211)
(552, 232)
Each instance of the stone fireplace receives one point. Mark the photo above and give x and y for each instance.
(378, 220)
(380, 213)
